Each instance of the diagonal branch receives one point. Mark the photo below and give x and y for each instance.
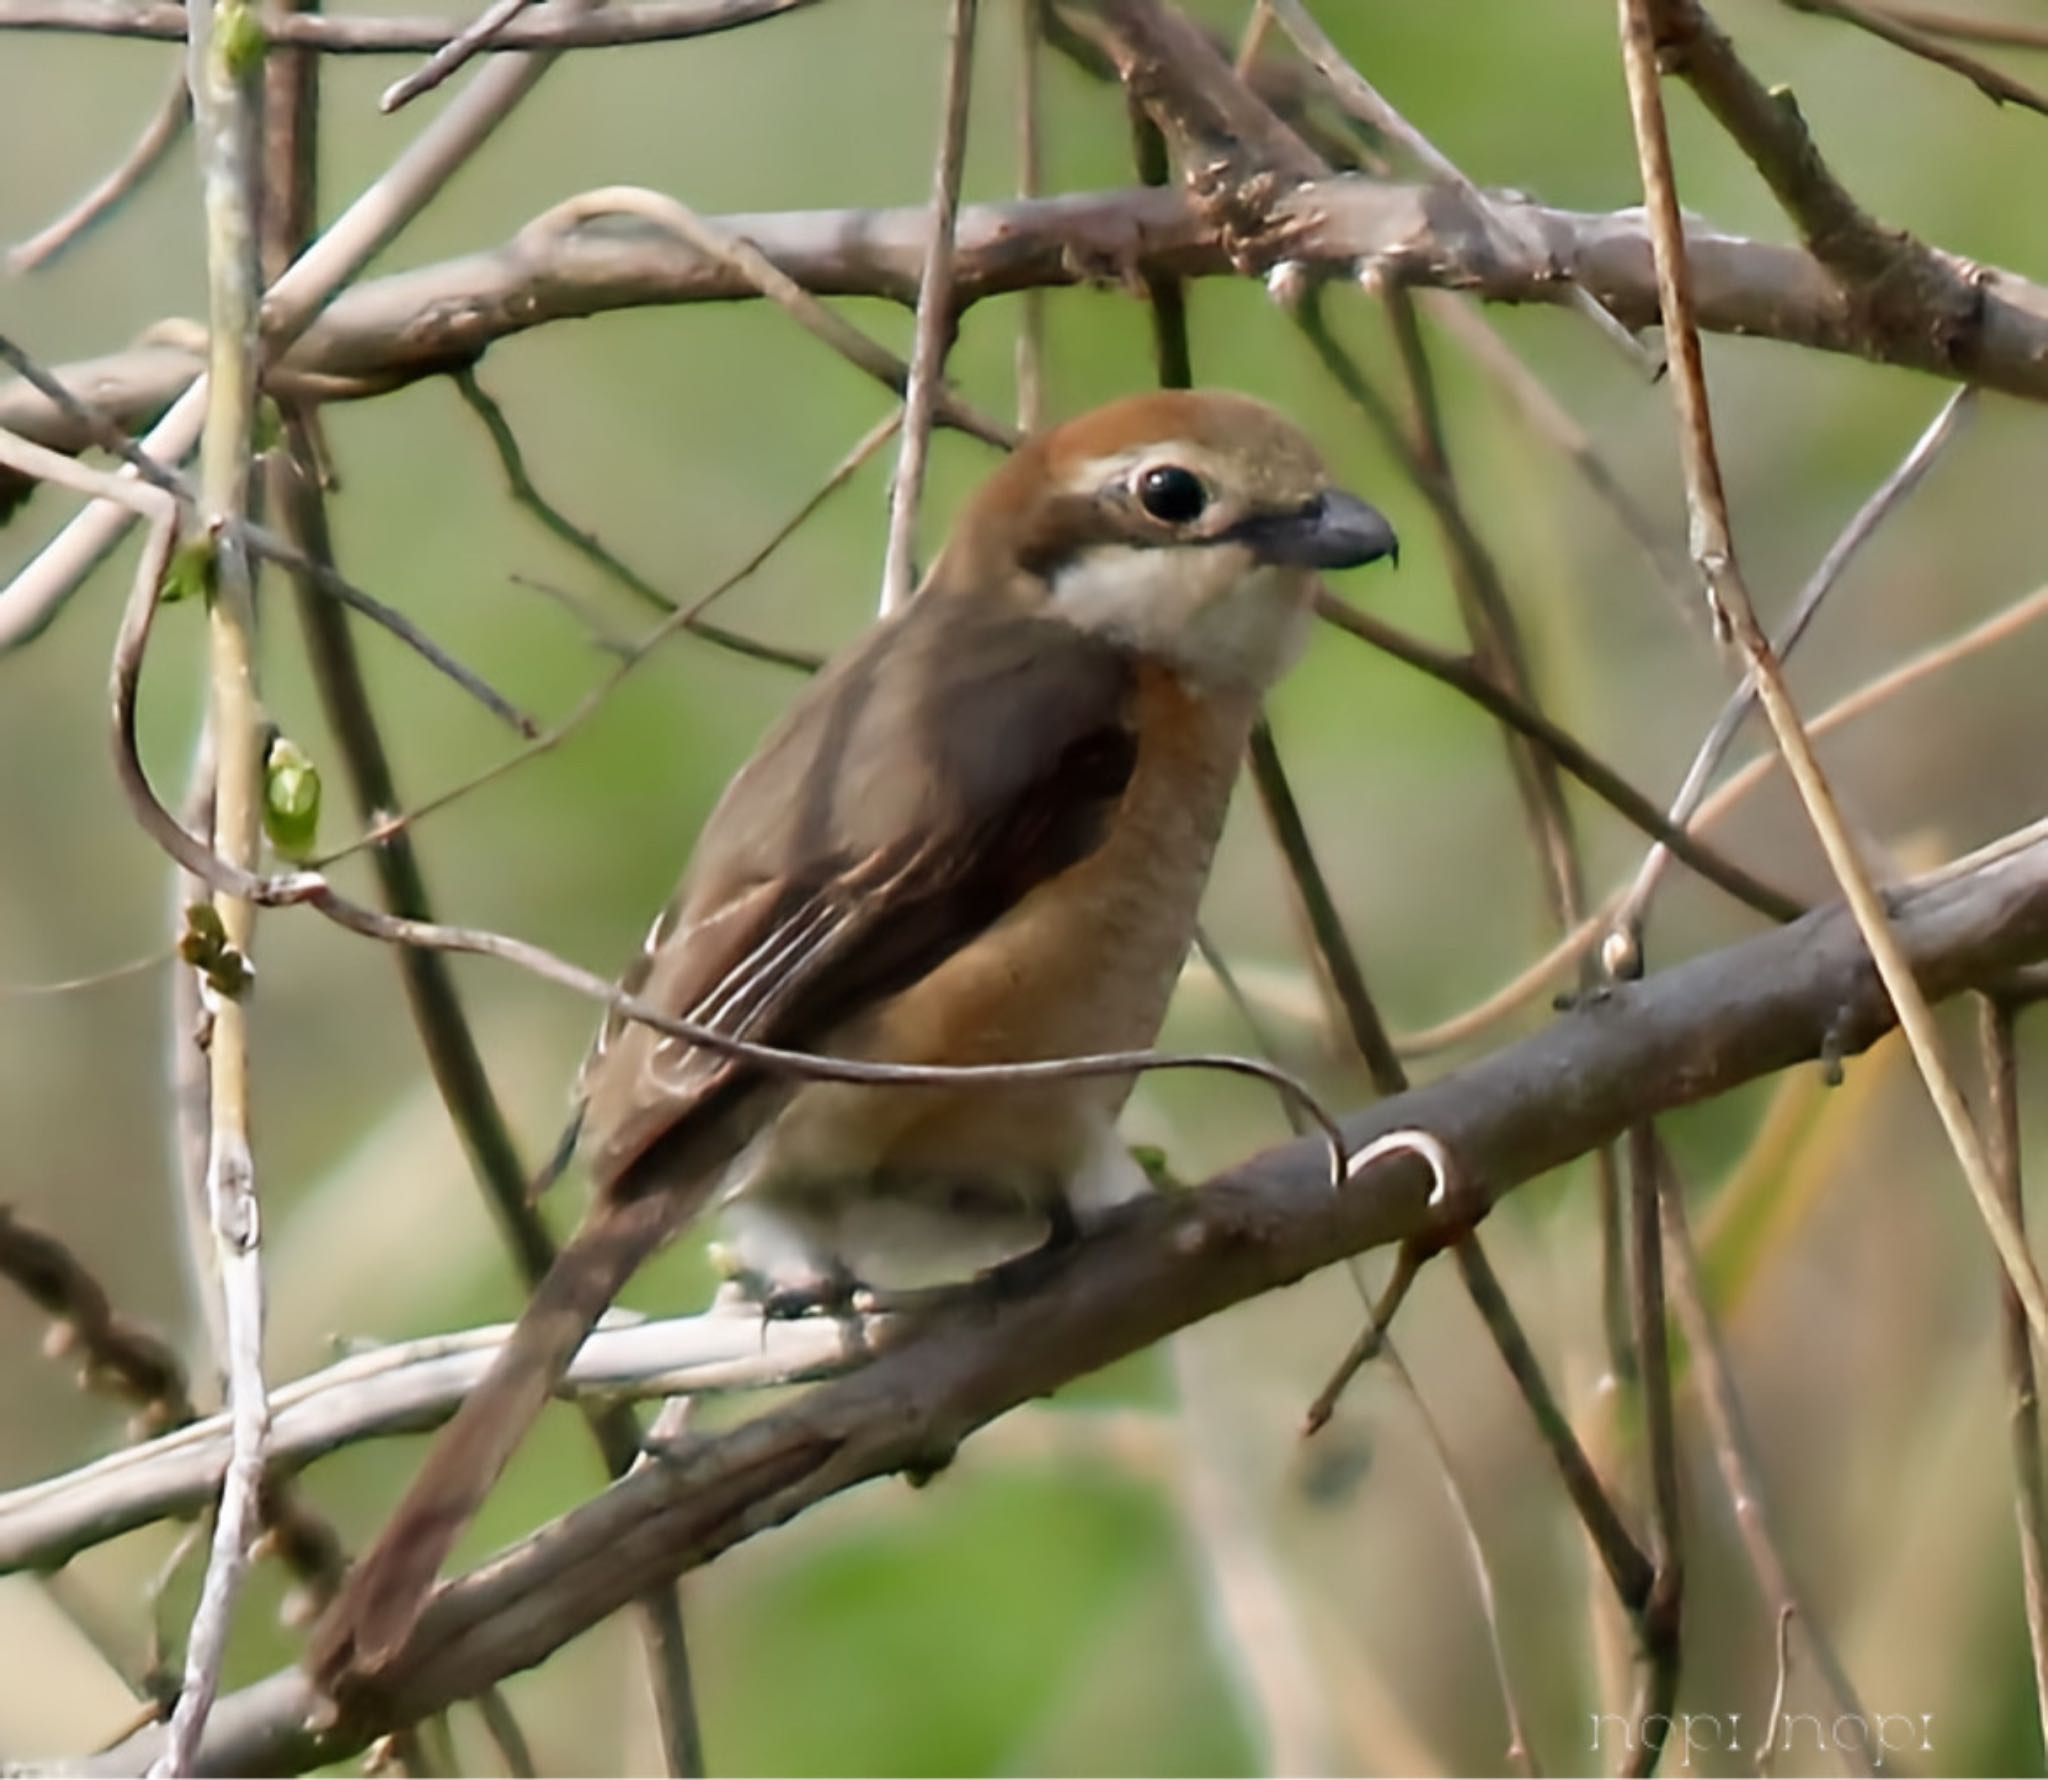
(387, 332)
(558, 26)
(1714, 553)
(1901, 33)
(937, 319)
(1673, 1038)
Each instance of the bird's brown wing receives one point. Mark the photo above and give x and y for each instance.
(925, 784)
(901, 808)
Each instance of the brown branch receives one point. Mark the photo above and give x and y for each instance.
(1659, 1621)
(1736, 1457)
(383, 333)
(1735, 612)
(553, 27)
(1221, 131)
(98, 428)
(1491, 627)
(739, 256)
(1161, 1264)
(2030, 1491)
(1728, 721)
(1630, 1572)
(1030, 152)
(1330, 948)
(115, 1353)
(937, 319)
(684, 618)
(1888, 279)
(1994, 83)
(1460, 673)
(2009, 33)
(166, 124)
(473, 39)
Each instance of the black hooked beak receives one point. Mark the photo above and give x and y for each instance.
(1334, 531)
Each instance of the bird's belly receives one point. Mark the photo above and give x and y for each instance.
(1084, 964)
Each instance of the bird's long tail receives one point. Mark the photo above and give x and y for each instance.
(385, 1592)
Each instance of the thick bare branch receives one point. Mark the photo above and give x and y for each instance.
(1677, 1037)
(387, 332)
(549, 27)
(405, 1388)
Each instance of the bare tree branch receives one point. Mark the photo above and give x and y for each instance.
(1807, 190)
(937, 318)
(384, 333)
(114, 1352)
(1680, 1036)
(551, 27)
(1893, 28)
(166, 124)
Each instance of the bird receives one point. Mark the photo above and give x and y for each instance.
(979, 836)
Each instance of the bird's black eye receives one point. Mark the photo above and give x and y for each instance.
(1172, 494)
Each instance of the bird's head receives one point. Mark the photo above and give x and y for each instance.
(1189, 526)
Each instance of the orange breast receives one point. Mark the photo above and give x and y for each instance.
(1086, 962)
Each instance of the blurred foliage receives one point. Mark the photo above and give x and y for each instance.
(1059, 1613)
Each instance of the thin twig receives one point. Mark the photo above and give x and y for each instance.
(1519, 1754)
(525, 493)
(2007, 33)
(114, 1352)
(1532, 399)
(1359, 97)
(1464, 675)
(1735, 1453)
(412, 1386)
(166, 124)
(1781, 1679)
(1165, 294)
(1884, 500)
(32, 599)
(92, 979)
(688, 618)
(1533, 979)
(30, 459)
(226, 106)
(1338, 965)
(1335, 959)
(474, 37)
(553, 29)
(1628, 1569)
(1371, 1339)
(936, 319)
(1030, 183)
(1482, 599)
(1660, 1618)
(1994, 83)
(1714, 553)
(2030, 1495)
(507, 1737)
(188, 1021)
(675, 218)
(1159, 1264)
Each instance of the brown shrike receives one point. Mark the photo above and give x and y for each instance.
(980, 836)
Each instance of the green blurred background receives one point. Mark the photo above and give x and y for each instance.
(1156, 1576)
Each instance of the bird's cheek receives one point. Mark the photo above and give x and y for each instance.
(1254, 626)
